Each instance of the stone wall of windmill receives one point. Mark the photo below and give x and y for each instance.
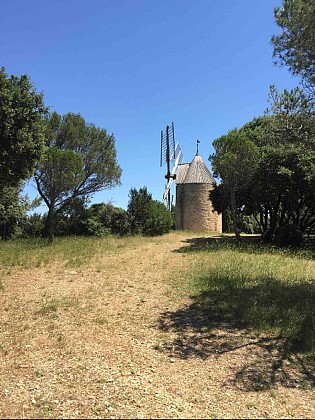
(194, 210)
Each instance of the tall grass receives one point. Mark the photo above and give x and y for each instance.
(266, 290)
(69, 251)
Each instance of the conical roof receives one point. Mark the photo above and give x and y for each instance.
(195, 173)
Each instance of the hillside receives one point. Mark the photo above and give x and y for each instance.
(94, 328)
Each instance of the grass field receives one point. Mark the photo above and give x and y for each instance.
(179, 326)
(258, 287)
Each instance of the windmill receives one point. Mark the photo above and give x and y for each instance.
(172, 155)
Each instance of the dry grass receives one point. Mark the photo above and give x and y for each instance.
(105, 328)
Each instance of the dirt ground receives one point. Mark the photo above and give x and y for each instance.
(120, 339)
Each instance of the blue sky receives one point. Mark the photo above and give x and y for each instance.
(134, 66)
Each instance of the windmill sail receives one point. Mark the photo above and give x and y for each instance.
(167, 145)
(178, 160)
(169, 153)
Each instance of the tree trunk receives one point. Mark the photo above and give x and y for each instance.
(4, 232)
(235, 216)
(48, 229)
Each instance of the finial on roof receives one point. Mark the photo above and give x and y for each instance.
(197, 147)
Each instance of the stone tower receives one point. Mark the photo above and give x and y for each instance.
(194, 209)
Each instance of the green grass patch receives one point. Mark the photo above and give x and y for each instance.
(271, 291)
(51, 307)
(250, 244)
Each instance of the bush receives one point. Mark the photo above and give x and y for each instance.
(160, 220)
(70, 219)
(288, 236)
(120, 222)
(92, 227)
(138, 210)
(147, 216)
(112, 218)
(32, 226)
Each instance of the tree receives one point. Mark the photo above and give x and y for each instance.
(138, 209)
(21, 128)
(284, 188)
(295, 46)
(103, 212)
(288, 162)
(267, 168)
(80, 159)
(71, 217)
(13, 211)
(113, 219)
(32, 226)
(234, 162)
(147, 216)
(160, 219)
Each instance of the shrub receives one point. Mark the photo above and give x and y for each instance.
(160, 219)
(147, 216)
(288, 236)
(120, 222)
(112, 218)
(92, 227)
(32, 226)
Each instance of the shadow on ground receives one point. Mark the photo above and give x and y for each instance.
(265, 360)
(249, 244)
(221, 322)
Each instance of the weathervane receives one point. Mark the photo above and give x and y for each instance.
(198, 146)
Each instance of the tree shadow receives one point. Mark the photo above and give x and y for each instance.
(249, 244)
(266, 359)
(267, 325)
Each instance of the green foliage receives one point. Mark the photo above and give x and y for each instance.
(287, 163)
(21, 128)
(80, 160)
(10, 211)
(70, 218)
(288, 236)
(295, 46)
(227, 222)
(120, 222)
(138, 209)
(13, 211)
(160, 219)
(75, 218)
(61, 171)
(147, 216)
(234, 161)
(248, 224)
(32, 226)
(97, 220)
(113, 219)
(93, 145)
(103, 212)
(94, 227)
(267, 168)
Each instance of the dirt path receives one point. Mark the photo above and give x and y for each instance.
(118, 340)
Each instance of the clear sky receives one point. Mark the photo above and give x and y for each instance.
(134, 66)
